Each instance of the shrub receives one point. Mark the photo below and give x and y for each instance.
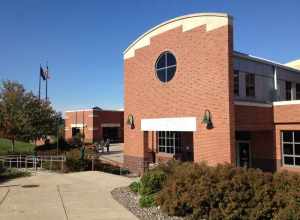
(135, 187)
(147, 201)
(226, 192)
(151, 182)
(74, 164)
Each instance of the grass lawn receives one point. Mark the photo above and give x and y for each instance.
(20, 147)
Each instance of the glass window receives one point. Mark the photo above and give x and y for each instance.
(169, 141)
(165, 66)
(288, 90)
(297, 91)
(236, 83)
(290, 148)
(250, 85)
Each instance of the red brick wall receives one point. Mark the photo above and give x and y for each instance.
(115, 117)
(287, 114)
(79, 117)
(203, 80)
(253, 118)
(93, 120)
(286, 117)
(263, 150)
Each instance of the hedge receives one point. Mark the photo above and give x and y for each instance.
(223, 192)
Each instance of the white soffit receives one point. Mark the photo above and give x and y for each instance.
(169, 124)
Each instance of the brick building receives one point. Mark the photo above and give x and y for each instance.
(190, 96)
(96, 124)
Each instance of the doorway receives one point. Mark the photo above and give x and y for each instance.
(243, 154)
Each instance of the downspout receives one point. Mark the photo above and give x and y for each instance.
(275, 83)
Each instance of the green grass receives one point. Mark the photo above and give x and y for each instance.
(20, 147)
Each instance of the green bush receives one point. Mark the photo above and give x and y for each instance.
(152, 181)
(225, 192)
(75, 165)
(135, 187)
(147, 201)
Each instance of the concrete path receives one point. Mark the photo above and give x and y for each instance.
(84, 195)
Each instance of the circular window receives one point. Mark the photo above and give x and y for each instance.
(165, 66)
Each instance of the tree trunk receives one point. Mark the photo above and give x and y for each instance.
(13, 144)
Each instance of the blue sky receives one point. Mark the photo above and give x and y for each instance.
(83, 40)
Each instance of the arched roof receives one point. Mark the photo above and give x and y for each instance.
(188, 22)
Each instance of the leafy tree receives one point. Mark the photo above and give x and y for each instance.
(23, 116)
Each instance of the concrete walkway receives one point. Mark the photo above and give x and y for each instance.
(84, 195)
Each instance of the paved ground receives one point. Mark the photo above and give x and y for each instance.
(84, 195)
(115, 153)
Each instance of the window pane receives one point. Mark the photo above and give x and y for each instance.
(161, 149)
(287, 136)
(161, 62)
(170, 73)
(297, 149)
(250, 84)
(288, 90)
(288, 149)
(170, 59)
(297, 161)
(236, 83)
(297, 136)
(161, 74)
(297, 91)
(289, 160)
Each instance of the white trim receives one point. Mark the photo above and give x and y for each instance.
(92, 116)
(81, 110)
(256, 104)
(169, 124)
(291, 102)
(110, 125)
(67, 129)
(80, 125)
(93, 129)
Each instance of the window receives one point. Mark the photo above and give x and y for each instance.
(297, 91)
(169, 142)
(165, 66)
(288, 90)
(75, 131)
(250, 85)
(290, 148)
(236, 83)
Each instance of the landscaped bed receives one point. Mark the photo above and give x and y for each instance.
(197, 191)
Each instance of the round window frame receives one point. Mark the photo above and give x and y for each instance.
(155, 66)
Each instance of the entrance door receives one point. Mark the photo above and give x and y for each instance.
(243, 154)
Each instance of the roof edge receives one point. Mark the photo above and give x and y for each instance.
(221, 15)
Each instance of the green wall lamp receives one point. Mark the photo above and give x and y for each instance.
(207, 119)
(130, 121)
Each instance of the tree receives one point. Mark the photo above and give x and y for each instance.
(23, 116)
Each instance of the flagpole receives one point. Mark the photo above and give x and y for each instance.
(40, 83)
(46, 89)
(47, 82)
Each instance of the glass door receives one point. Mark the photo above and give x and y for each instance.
(243, 154)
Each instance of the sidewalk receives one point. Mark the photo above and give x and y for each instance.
(84, 195)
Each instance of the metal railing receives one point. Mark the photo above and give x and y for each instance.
(31, 161)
